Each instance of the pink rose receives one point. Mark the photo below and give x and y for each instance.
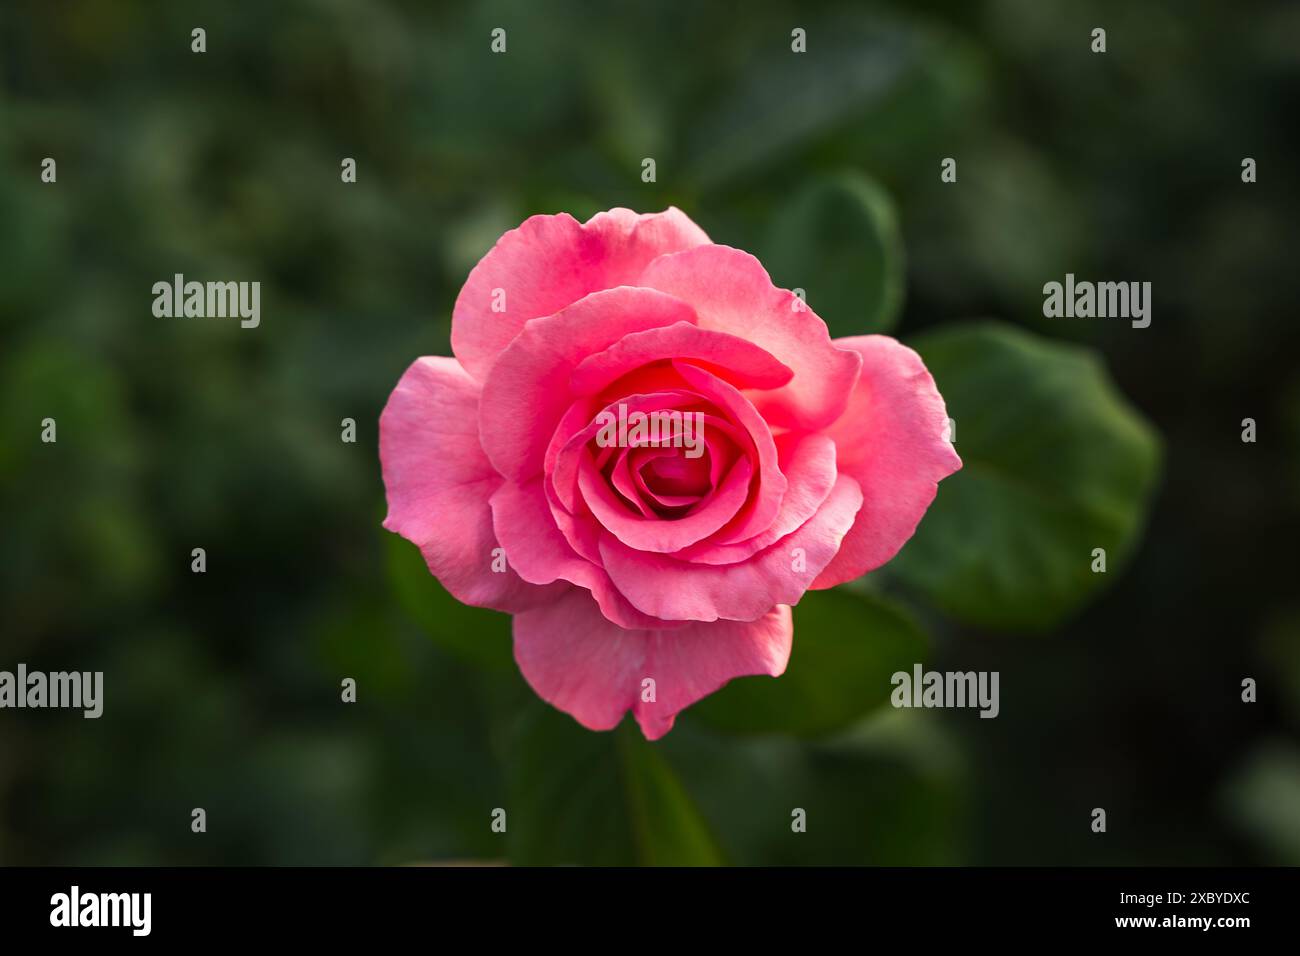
(795, 462)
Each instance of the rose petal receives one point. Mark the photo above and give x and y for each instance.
(765, 501)
(730, 357)
(563, 470)
(550, 262)
(587, 667)
(666, 588)
(527, 392)
(731, 292)
(438, 482)
(892, 439)
(808, 463)
(671, 480)
(540, 553)
(624, 482)
(659, 534)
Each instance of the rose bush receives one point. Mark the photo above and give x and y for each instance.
(629, 564)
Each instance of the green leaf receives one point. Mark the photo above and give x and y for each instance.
(846, 647)
(1055, 464)
(583, 797)
(838, 239)
(473, 634)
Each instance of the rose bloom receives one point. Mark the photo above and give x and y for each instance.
(637, 562)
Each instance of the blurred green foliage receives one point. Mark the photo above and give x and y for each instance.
(1054, 467)
(834, 677)
(222, 689)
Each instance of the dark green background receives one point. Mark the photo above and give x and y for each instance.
(222, 689)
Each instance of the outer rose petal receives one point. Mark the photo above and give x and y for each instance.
(550, 262)
(892, 440)
(578, 661)
(438, 483)
(732, 292)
